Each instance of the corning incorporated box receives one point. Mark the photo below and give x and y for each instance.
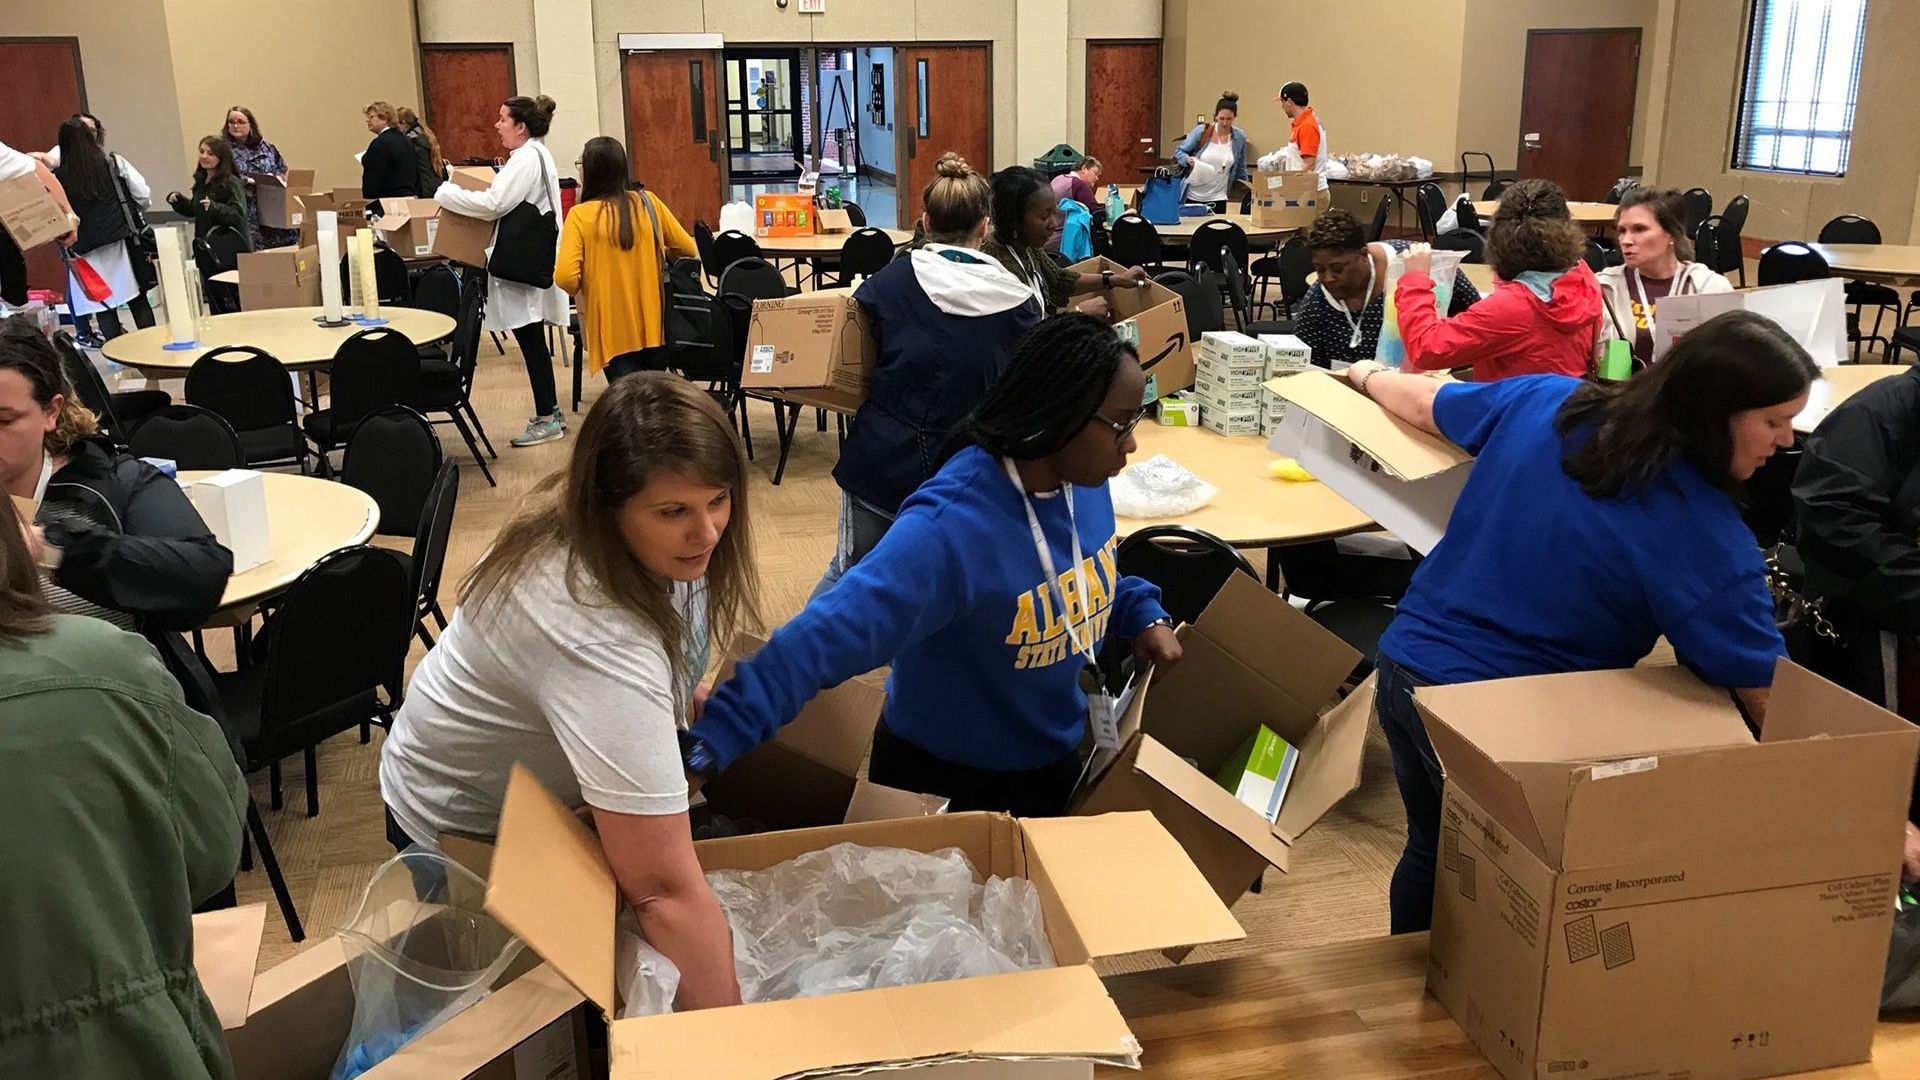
(1250, 659)
(409, 225)
(281, 202)
(808, 340)
(29, 214)
(1109, 885)
(1631, 885)
(1154, 319)
(279, 277)
(1400, 476)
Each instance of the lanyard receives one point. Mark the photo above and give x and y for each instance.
(1353, 319)
(1037, 285)
(46, 476)
(1046, 554)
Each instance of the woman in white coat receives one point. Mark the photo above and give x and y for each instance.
(529, 176)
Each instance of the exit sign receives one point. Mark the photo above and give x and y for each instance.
(813, 7)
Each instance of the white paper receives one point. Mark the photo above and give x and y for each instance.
(1813, 313)
(327, 231)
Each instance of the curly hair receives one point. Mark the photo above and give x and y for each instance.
(1533, 230)
(25, 350)
(1336, 230)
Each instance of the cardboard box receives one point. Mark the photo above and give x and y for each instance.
(834, 221)
(226, 949)
(783, 213)
(1400, 476)
(1154, 320)
(1287, 200)
(1230, 348)
(462, 239)
(810, 340)
(234, 506)
(472, 177)
(279, 277)
(1286, 354)
(349, 221)
(29, 214)
(409, 225)
(1109, 885)
(1250, 659)
(1632, 885)
(1223, 422)
(1258, 773)
(281, 202)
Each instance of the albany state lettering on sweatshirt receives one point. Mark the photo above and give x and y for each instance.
(1040, 631)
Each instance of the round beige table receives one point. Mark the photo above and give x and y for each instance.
(1181, 232)
(289, 334)
(1839, 384)
(1889, 264)
(813, 247)
(306, 518)
(1584, 213)
(1253, 509)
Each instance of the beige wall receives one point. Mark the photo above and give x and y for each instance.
(307, 91)
(128, 72)
(486, 22)
(1697, 136)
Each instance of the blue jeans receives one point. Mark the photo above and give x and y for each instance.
(862, 524)
(1417, 770)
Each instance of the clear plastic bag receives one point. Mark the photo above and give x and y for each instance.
(1391, 349)
(1158, 487)
(419, 949)
(648, 981)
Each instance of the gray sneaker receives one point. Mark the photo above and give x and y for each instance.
(540, 429)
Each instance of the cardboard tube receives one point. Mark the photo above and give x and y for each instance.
(327, 230)
(173, 285)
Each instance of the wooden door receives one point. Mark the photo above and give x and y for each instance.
(1576, 108)
(1123, 107)
(44, 88)
(463, 87)
(946, 104)
(673, 130)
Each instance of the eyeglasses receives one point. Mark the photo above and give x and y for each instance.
(1122, 429)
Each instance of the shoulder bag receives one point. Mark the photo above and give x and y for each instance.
(526, 239)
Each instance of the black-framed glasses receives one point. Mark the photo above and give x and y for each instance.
(1122, 429)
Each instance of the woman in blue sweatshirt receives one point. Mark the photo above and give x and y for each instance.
(944, 320)
(989, 596)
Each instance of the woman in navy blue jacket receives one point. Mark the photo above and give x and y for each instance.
(945, 320)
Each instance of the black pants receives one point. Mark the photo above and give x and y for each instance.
(13, 271)
(1416, 769)
(532, 339)
(1041, 792)
(654, 359)
(110, 326)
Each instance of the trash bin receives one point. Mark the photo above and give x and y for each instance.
(1058, 161)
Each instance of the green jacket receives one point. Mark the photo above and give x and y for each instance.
(1031, 263)
(227, 205)
(121, 808)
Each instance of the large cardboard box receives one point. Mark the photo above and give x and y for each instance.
(1250, 659)
(282, 202)
(472, 177)
(1287, 200)
(409, 225)
(1154, 320)
(810, 340)
(1633, 885)
(1400, 476)
(279, 277)
(29, 214)
(1109, 885)
(350, 218)
(782, 213)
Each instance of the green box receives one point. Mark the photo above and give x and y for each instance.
(1258, 773)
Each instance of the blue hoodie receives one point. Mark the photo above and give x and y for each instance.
(944, 322)
(954, 598)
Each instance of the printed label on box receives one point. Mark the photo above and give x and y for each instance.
(762, 363)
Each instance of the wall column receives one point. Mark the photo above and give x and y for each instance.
(563, 41)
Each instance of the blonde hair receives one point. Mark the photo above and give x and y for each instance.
(384, 111)
(957, 199)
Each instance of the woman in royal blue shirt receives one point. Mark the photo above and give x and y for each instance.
(1623, 495)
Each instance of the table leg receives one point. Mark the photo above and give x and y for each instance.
(788, 422)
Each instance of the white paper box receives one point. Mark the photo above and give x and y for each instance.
(234, 506)
(1813, 313)
(1286, 354)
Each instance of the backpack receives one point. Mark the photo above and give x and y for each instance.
(690, 316)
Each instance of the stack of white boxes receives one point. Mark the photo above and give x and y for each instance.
(1228, 370)
(1286, 355)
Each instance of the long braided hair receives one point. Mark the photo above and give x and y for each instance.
(1059, 373)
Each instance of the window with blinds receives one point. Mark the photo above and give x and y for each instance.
(1802, 78)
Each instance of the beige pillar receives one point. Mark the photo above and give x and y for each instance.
(563, 40)
(1040, 77)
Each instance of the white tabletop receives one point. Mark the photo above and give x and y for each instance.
(1181, 232)
(1897, 264)
(791, 247)
(1840, 383)
(289, 334)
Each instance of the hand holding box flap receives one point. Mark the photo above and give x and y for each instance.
(1403, 450)
(1128, 885)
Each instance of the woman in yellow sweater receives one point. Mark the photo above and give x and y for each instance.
(610, 261)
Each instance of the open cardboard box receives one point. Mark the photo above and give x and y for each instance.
(409, 225)
(1286, 199)
(1400, 476)
(1153, 319)
(29, 214)
(810, 340)
(833, 221)
(1109, 885)
(1632, 884)
(1250, 659)
(282, 202)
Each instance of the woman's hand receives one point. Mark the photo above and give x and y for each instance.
(1419, 261)
(701, 693)
(206, 204)
(1135, 276)
(1357, 374)
(1157, 645)
(1095, 306)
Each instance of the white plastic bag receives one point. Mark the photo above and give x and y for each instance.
(1448, 222)
(738, 216)
(1271, 161)
(1422, 168)
(1333, 169)
(646, 979)
(1158, 487)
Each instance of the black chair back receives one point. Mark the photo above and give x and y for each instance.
(390, 277)
(1188, 564)
(728, 248)
(1850, 229)
(437, 289)
(1734, 217)
(1699, 206)
(1215, 243)
(245, 385)
(1239, 294)
(394, 456)
(1296, 267)
(189, 436)
(1201, 294)
(1135, 241)
(1596, 256)
(465, 343)
(854, 214)
(703, 242)
(1494, 190)
(1466, 240)
(1466, 217)
(372, 370)
(1429, 203)
(430, 537)
(865, 253)
(226, 244)
(340, 636)
(754, 278)
(88, 384)
(1783, 264)
(1378, 226)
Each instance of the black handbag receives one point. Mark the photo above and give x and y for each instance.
(142, 248)
(524, 243)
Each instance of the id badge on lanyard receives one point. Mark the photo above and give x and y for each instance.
(1102, 718)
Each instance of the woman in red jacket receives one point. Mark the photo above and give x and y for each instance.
(1543, 315)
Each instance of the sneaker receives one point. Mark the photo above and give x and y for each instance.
(540, 429)
(87, 339)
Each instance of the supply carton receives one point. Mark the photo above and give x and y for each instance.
(1258, 773)
(472, 177)
(1109, 885)
(1227, 390)
(813, 339)
(1632, 883)
(783, 213)
(29, 214)
(1154, 320)
(835, 221)
(1179, 410)
(349, 221)
(282, 202)
(234, 506)
(279, 277)
(1250, 659)
(1230, 349)
(1229, 422)
(1402, 477)
(462, 239)
(1287, 200)
(409, 226)
(1286, 354)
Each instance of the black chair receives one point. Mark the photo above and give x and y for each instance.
(854, 214)
(222, 298)
(371, 370)
(1202, 300)
(227, 244)
(1351, 594)
(743, 282)
(1467, 240)
(1429, 203)
(1699, 206)
(1215, 243)
(393, 456)
(1378, 227)
(703, 242)
(196, 686)
(1239, 295)
(436, 289)
(390, 277)
(728, 248)
(1188, 564)
(252, 392)
(1783, 264)
(754, 278)
(191, 437)
(1135, 241)
(1595, 256)
(336, 651)
(1468, 174)
(447, 386)
(864, 254)
(1854, 229)
(1296, 270)
(1493, 191)
(721, 372)
(1727, 256)
(117, 410)
(429, 558)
